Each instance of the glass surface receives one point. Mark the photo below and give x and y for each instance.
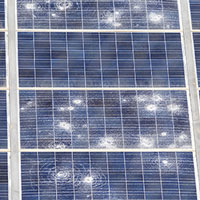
(79, 106)
(2, 14)
(98, 14)
(4, 176)
(195, 13)
(2, 60)
(103, 176)
(3, 120)
(196, 37)
(104, 119)
(100, 60)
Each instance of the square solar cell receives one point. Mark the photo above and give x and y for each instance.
(195, 13)
(100, 60)
(3, 120)
(98, 14)
(103, 176)
(2, 14)
(104, 119)
(2, 60)
(4, 176)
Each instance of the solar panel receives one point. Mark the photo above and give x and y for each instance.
(100, 60)
(2, 14)
(98, 14)
(3, 120)
(104, 108)
(4, 177)
(106, 176)
(195, 13)
(196, 37)
(2, 60)
(104, 119)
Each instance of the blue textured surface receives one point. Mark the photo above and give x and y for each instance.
(104, 119)
(3, 120)
(101, 14)
(196, 37)
(2, 14)
(59, 120)
(4, 176)
(103, 176)
(195, 13)
(100, 60)
(2, 60)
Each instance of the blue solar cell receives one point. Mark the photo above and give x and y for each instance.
(104, 119)
(3, 120)
(93, 14)
(2, 60)
(195, 13)
(196, 37)
(100, 60)
(2, 14)
(104, 176)
(4, 176)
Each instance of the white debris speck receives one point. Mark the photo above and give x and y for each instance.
(62, 174)
(136, 7)
(110, 19)
(77, 101)
(62, 109)
(117, 13)
(64, 5)
(183, 137)
(66, 126)
(57, 146)
(164, 134)
(30, 6)
(165, 162)
(107, 142)
(155, 17)
(85, 126)
(29, 104)
(53, 15)
(60, 146)
(146, 142)
(151, 107)
(113, 19)
(70, 108)
(173, 108)
(88, 179)
(157, 98)
(141, 98)
(116, 24)
(79, 136)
